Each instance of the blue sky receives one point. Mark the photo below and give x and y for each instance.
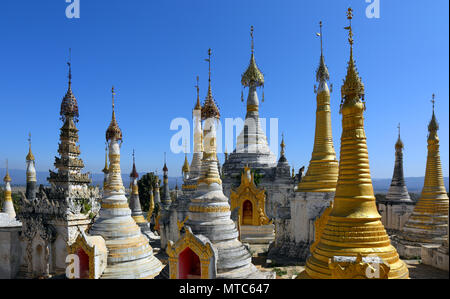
(153, 50)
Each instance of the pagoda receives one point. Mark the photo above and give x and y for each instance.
(69, 165)
(397, 206)
(428, 224)
(316, 189)
(129, 254)
(135, 204)
(209, 247)
(8, 206)
(353, 243)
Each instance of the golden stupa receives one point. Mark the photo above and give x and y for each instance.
(353, 229)
(429, 221)
(322, 172)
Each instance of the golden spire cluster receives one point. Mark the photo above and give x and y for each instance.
(353, 228)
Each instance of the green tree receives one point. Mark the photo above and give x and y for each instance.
(144, 183)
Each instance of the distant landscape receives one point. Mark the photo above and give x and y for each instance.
(414, 184)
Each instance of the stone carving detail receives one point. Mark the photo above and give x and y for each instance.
(344, 267)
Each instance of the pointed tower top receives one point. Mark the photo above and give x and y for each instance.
(399, 143)
(165, 165)
(134, 174)
(113, 131)
(433, 126)
(185, 168)
(252, 76)
(198, 106)
(210, 109)
(30, 156)
(282, 153)
(353, 89)
(322, 73)
(69, 105)
(7, 178)
(105, 169)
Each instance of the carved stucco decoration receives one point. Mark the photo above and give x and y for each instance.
(202, 247)
(248, 191)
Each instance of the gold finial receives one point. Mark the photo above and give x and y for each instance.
(349, 28)
(251, 35)
(198, 106)
(398, 130)
(433, 126)
(7, 178)
(133, 157)
(105, 169)
(282, 145)
(30, 156)
(320, 35)
(113, 129)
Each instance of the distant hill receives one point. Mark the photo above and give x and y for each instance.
(414, 184)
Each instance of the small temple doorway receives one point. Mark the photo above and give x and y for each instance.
(247, 213)
(188, 265)
(84, 263)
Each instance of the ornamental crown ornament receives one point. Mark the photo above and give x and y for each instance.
(69, 105)
(353, 88)
(30, 156)
(113, 131)
(252, 76)
(210, 109)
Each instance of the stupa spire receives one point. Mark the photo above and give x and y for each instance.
(129, 253)
(69, 165)
(429, 221)
(398, 190)
(8, 206)
(166, 200)
(196, 162)
(353, 228)
(322, 172)
(209, 108)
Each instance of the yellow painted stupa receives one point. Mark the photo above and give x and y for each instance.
(322, 172)
(353, 243)
(429, 221)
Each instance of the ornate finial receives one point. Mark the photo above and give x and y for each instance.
(433, 100)
(134, 174)
(433, 126)
(7, 178)
(69, 63)
(353, 89)
(253, 43)
(209, 65)
(105, 169)
(399, 143)
(349, 28)
(30, 156)
(113, 129)
(320, 34)
(198, 105)
(282, 145)
(210, 109)
(398, 130)
(252, 75)
(322, 73)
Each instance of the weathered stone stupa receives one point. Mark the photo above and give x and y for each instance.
(398, 206)
(428, 223)
(353, 241)
(209, 247)
(129, 252)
